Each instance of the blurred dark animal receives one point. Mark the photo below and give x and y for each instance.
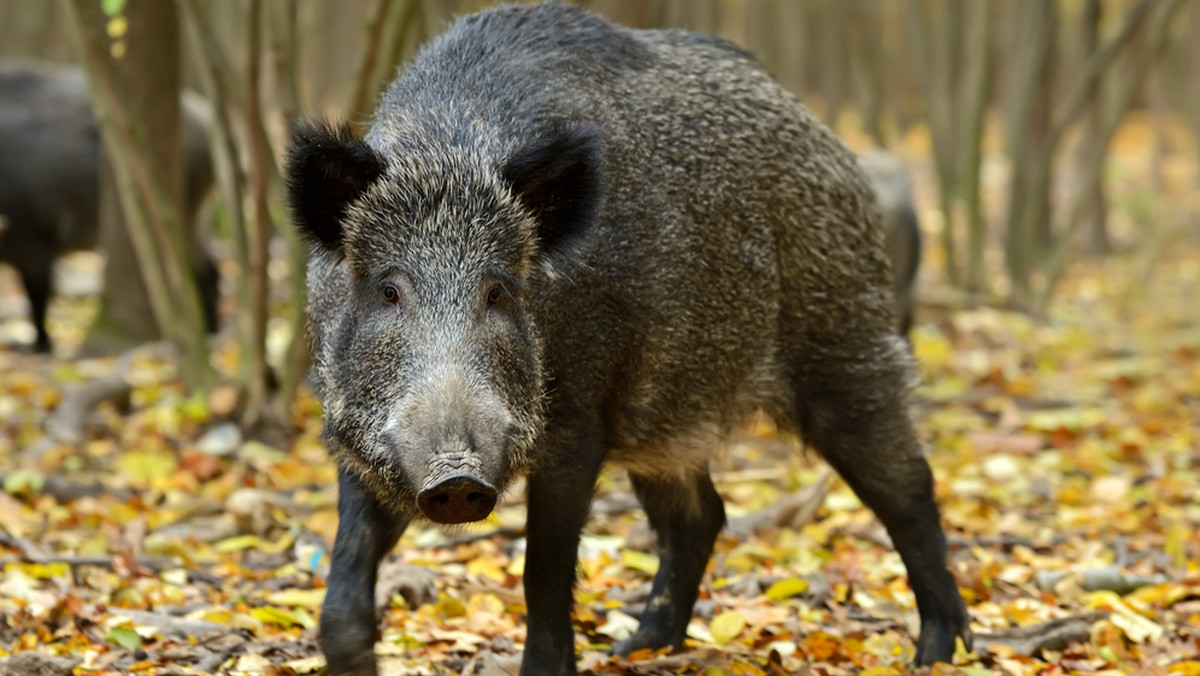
(50, 158)
(893, 191)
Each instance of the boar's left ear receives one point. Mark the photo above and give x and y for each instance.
(328, 168)
(557, 177)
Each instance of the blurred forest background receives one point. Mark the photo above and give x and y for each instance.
(1006, 111)
(1054, 147)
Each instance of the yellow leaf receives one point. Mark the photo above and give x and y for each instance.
(309, 598)
(485, 603)
(306, 665)
(237, 543)
(784, 648)
(41, 571)
(785, 589)
(273, 615)
(142, 467)
(304, 618)
(517, 567)
(218, 615)
(284, 542)
(727, 626)
(640, 561)
(175, 576)
(451, 607)
(1136, 628)
(485, 567)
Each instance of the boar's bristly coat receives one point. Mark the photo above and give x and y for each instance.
(564, 242)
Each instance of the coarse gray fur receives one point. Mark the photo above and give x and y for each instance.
(673, 242)
(902, 234)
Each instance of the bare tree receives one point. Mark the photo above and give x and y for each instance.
(1095, 213)
(937, 34)
(1139, 66)
(142, 142)
(972, 108)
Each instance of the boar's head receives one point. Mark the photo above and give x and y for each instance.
(425, 262)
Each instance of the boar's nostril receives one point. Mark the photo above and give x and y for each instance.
(457, 499)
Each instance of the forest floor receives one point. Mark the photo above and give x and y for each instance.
(1066, 451)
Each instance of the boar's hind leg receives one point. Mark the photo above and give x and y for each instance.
(854, 412)
(559, 499)
(366, 533)
(687, 514)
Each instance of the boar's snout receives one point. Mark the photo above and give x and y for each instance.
(457, 499)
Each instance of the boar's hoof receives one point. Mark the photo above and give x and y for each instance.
(457, 499)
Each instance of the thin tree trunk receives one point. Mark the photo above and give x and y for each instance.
(283, 57)
(261, 165)
(834, 59)
(732, 21)
(1095, 206)
(217, 77)
(1040, 121)
(410, 36)
(141, 162)
(1156, 93)
(973, 107)
(868, 33)
(902, 61)
(1033, 37)
(1194, 9)
(934, 80)
(374, 28)
(789, 31)
(149, 66)
(1029, 136)
(296, 359)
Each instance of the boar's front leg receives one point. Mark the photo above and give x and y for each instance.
(687, 514)
(366, 533)
(559, 499)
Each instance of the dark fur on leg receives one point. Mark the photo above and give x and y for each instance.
(366, 533)
(855, 414)
(687, 514)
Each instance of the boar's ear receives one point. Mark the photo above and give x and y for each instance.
(557, 177)
(328, 168)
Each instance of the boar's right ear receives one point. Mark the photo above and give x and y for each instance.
(328, 168)
(557, 177)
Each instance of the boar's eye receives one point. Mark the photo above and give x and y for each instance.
(494, 295)
(391, 294)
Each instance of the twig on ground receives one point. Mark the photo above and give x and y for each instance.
(29, 551)
(1005, 541)
(154, 563)
(69, 422)
(1052, 635)
(793, 512)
